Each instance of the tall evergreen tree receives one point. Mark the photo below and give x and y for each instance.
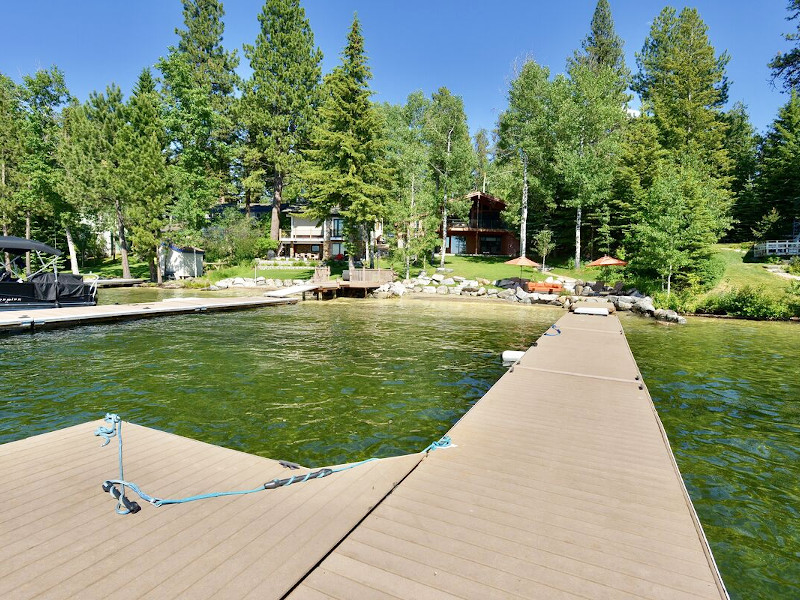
(786, 66)
(682, 83)
(778, 185)
(603, 47)
(741, 142)
(280, 100)
(199, 84)
(143, 170)
(347, 170)
(451, 156)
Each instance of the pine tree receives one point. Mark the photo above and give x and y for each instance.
(280, 100)
(682, 83)
(199, 84)
(741, 142)
(451, 156)
(347, 170)
(603, 47)
(778, 186)
(143, 170)
(787, 66)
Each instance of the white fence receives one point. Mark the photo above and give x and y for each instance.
(777, 248)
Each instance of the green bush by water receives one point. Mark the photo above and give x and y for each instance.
(748, 301)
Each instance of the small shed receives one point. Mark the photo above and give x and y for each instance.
(180, 263)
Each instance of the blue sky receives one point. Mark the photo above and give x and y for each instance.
(469, 46)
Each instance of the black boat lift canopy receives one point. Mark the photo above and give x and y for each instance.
(18, 245)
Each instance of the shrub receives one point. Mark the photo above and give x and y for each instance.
(794, 265)
(235, 237)
(749, 302)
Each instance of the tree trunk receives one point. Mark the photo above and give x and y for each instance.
(151, 264)
(444, 231)
(523, 226)
(277, 198)
(326, 238)
(7, 255)
(123, 244)
(367, 254)
(351, 263)
(27, 237)
(669, 281)
(544, 256)
(73, 256)
(159, 274)
(578, 239)
(247, 203)
(444, 210)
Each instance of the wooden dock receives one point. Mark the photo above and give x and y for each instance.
(118, 282)
(13, 321)
(561, 484)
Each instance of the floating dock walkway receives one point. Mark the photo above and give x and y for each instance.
(46, 318)
(560, 484)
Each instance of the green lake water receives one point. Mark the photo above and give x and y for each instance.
(326, 382)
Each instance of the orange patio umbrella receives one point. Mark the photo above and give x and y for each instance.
(607, 261)
(522, 261)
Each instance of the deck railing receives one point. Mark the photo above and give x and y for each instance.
(372, 275)
(777, 248)
(482, 223)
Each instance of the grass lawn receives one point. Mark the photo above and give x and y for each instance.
(487, 267)
(112, 268)
(739, 274)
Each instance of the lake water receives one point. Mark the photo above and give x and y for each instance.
(326, 382)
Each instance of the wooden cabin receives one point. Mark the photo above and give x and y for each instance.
(484, 231)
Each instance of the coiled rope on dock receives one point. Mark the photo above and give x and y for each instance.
(116, 487)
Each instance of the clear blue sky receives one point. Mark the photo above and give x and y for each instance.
(468, 46)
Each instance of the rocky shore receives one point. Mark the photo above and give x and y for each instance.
(575, 292)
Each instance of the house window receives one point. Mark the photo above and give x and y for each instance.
(457, 244)
(315, 248)
(337, 248)
(491, 244)
(338, 225)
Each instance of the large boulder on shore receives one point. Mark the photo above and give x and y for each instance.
(428, 289)
(443, 289)
(437, 277)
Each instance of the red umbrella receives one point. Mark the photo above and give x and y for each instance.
(607, 261)
(522, 261)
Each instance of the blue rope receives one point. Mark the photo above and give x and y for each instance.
(107, 433)
(553, 326)
(116, 430)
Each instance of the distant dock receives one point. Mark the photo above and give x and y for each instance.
(12, 321)
(118, 282)
(560, 484)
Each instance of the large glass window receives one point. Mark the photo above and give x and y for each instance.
(457, 244)
(338, 225)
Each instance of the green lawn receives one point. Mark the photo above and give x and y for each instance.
(739, 274)
(112, 268)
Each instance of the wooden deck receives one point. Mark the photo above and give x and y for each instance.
(561, 485)
(30, 320)
(60, 536)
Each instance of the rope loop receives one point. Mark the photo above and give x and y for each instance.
(553, 326)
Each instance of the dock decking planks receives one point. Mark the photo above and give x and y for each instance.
(562, 485)
(29, 320)
(60, 536)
